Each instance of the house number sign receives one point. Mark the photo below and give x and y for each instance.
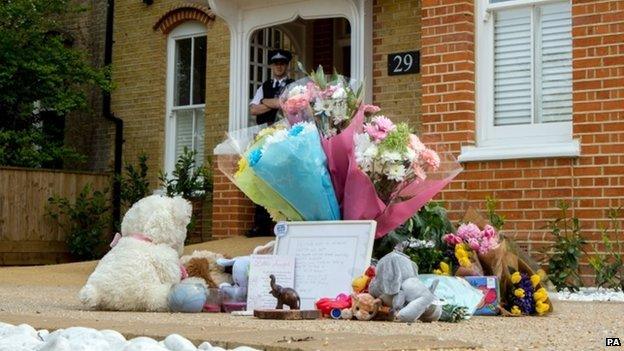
(404, 63)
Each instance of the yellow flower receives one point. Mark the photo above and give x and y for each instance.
(540, 295)
(445, 268)
(464, 262)
(535, 279)
(519, 293)
(242, 166)
(460, 252)
(515, 278)
(515, 310)
(541, 307)
(437, 271)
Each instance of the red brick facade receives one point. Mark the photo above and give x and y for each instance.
(528, 190)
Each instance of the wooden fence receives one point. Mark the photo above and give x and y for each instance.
(27, 236)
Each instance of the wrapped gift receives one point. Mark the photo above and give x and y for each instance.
(489, 285)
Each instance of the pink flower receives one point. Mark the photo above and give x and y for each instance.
(468, 230)
(311, 91)
(328, 92)
(474, 244)
(379, 128)
(370, 109)
(416, 144)
(431, 159)
(451, 239)
(295, 104)
(489, 232)
(419, 171)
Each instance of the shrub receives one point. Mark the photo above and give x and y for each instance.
(608, 265)
(188, 180)
(134, 185)
(83, 221)
(565, 254)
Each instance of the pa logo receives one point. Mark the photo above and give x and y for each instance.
(613, 342)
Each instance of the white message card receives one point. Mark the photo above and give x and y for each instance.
(328, 255)
(259, 287)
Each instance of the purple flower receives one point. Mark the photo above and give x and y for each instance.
(526, 303)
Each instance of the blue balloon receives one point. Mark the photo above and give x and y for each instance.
(188, 298)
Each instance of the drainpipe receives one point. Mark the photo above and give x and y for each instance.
(108, 114)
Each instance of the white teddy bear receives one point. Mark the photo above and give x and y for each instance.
(140, 269)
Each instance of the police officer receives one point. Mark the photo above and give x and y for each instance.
(265, 105)
(265, 102)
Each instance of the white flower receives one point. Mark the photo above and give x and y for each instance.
(323, 107)
(391, 156)
(418, 243)
(410, 155)
(396, 172)
(276, 137)
(365, 151)
(339, 93)
(297, 90)
(339, 112)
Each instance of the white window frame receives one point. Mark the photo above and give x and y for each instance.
(515, 141)
(185, 30)
(244, 17)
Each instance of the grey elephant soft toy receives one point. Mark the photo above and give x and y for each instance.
(396, 283)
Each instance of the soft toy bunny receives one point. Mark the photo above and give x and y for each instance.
(240, 271)
(396, 283)
(143, 264)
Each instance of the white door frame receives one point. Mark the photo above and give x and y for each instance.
(245, 16)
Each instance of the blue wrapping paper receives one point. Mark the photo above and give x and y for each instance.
(293, 163)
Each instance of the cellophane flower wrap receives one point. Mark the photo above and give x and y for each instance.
(292, 162)
(234, 164)
(392, 174)
(336, 108)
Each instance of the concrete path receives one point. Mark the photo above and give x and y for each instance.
(46, 298)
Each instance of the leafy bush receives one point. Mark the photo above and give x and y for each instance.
(565, 254)
(84, 221)
(428, 224)
(609, 265)
(188, 181)
(134, 185)
(41, 75)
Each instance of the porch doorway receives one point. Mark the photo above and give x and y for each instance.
(313, 42)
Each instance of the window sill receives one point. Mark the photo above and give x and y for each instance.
(510, 152)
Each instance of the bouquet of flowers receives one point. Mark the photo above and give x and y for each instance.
(528, 296)
(292, 162)
(392, 174)
(469, 244)
(236, 167)
(337, 110)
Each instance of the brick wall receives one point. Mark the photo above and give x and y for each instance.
(396, 28)
(528, 190)
(139, 73)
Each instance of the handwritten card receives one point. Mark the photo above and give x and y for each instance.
(328, 255)
(259, 287)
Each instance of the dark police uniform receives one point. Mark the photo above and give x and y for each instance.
(271, 89)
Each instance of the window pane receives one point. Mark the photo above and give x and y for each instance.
(512, 67)
(182, 80)
(184, 131)
(556, 63)
(199, 71)
(199, 136)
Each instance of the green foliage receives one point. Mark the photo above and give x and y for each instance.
(30, 148)
(609, 265)
(84, 221)
(496, 220)
(134, 185)
(39, 73)
(396, 140)
(565, 253)
(188, 181)
(427, 258)
(429, 224)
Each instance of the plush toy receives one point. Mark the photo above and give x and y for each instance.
(396, 283)
(360, 284)
(240, 271)
(143, 264)
(365, 306)
(203, 264)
